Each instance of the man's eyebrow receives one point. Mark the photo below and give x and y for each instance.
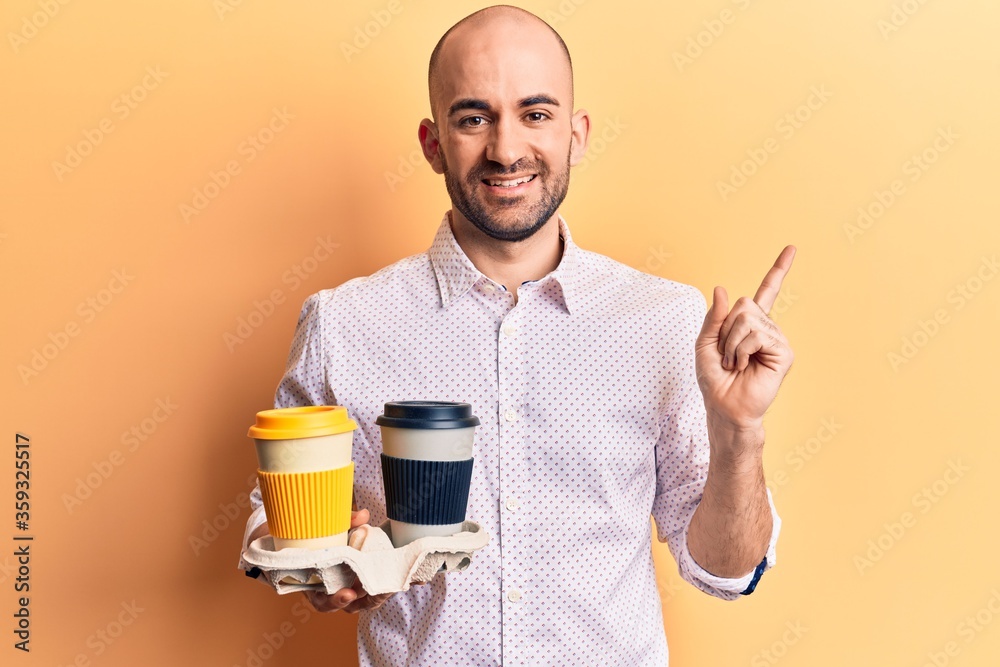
(483, 105)
(468, 103)
(540, 98)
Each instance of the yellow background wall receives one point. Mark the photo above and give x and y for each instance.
(722, 131)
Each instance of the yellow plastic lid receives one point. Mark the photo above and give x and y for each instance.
(303, 422)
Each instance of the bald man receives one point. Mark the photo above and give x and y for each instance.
(606, 395)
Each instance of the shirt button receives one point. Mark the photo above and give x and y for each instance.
(489, 287)
(512, 504)
(509, 330)
(514, 595)
(510, 416)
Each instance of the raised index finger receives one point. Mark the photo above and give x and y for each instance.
(769, 287)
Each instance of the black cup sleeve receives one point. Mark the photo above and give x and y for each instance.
(429, 493)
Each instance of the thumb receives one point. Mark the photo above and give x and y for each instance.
(716, 315)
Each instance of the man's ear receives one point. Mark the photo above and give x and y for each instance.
(427, 134)
(580, 124)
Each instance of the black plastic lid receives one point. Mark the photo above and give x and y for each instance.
(427, 415)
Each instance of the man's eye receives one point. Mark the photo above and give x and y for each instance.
(473, 121)
(536, 116)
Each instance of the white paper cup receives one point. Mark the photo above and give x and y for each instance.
(306, 474)
(426, 431)
(324, 452)
(429, 445)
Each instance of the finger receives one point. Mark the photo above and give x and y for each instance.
(345, 596)
(358, 597)
(771, 285)
(743, 309)
(743, 325)
(716, 314)
(360, 518)
(754, 342)
(737, 328)
(767, 348)
(368, 602)
(322, 602)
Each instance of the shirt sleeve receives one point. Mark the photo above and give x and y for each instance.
(682, 456)
(303, 383)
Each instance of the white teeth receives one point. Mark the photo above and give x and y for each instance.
(510, 184)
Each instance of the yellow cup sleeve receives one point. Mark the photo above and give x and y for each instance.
(304, 505)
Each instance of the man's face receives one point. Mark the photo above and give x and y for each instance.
(505, 132)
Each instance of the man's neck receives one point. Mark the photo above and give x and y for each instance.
(506, 262)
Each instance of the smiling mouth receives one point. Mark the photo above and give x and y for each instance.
(508, 183)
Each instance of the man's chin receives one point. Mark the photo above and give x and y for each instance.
(504, 231)
(511, 219)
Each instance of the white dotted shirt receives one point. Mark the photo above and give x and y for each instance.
(591, 420)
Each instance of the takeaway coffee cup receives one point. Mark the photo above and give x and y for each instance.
(426, 467)
(306, 474)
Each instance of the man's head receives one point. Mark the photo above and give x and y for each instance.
(501, 93)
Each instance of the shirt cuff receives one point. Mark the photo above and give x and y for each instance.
(726, 587)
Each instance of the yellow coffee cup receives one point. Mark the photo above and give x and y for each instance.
(306, 474)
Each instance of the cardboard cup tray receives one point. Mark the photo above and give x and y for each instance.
(369, 556)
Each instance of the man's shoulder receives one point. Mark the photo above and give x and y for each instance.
(376, 288)
(629, 284)
(406, 270)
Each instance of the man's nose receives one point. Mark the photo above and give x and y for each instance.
(506, 144)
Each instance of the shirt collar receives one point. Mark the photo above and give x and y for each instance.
(456, 274)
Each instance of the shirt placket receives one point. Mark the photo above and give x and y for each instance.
(515, 589)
